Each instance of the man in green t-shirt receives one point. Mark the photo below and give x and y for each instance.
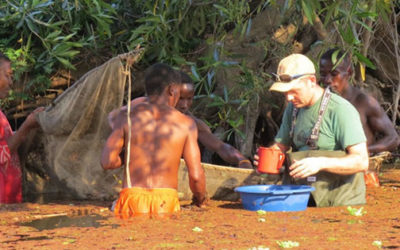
(325, 134)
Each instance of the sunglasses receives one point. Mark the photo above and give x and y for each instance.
(288, 78)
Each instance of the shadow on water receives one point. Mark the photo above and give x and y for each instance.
(232, 205)
(43, 198)
(27, 238)
(93, 220)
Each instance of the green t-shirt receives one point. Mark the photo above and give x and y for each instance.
(341, 126)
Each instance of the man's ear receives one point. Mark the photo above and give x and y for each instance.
(350, 70)
(173, 90)
(312, 79)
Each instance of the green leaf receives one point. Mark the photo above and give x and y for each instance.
(151, 19)
(364, 60)
(197, 229)
(364, 25)
(347, 35)
(194, 72)
(53, 34)
(308, 11)
(261, 212)
(65, 62)
(377, 243)
(356, 211)
(288, 244)
(226, 97)
(366, 14)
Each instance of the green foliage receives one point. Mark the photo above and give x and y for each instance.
(228, 103)
(41, 36)
(351, 18)
(171, 29)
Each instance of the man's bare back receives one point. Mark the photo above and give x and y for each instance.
(160, 129)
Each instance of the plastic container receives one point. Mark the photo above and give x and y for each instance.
(275, 197)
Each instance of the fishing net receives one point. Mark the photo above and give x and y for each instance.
(63, 159)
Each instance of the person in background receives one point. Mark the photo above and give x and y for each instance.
(206, 137)
(325, 135)
(10, 169)
(159, 136)
(336, 71)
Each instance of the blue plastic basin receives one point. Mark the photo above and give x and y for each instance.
(275, 197)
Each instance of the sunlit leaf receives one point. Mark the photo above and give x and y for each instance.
(364, 60)
(288, 244)
(197, 229)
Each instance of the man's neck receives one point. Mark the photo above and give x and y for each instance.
(318, 92)
(348, 92)
(159, 100)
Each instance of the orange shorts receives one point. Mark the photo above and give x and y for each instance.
(152, 201)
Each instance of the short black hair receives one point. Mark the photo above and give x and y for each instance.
(4, 58)
(158, 76)
(185, 78)
(344, 63)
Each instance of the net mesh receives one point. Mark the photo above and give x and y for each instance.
(64, 156)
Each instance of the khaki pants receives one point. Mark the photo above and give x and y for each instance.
(330, 189)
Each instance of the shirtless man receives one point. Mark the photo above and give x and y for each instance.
(160, 135)
(380, 132)
(206, 138)
(374, 119)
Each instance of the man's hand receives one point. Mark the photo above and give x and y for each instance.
(245, 164)
(255, 162)
(201, 203)
(30, 121)
(305, 167)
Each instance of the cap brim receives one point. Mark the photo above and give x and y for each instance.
(282, 86)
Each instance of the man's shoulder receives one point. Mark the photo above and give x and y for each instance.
(337, 101)
(201, 125)
(184, 119)
(341, 106)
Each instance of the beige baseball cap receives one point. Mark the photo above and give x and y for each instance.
(290, 69)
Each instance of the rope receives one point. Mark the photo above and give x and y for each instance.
(130, 58)
(128, 147)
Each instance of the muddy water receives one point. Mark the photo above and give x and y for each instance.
(223, 225)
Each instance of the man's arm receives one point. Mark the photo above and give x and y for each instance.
(380, 124)
(191, 155)
(355, 161)
(224, 150)
(19, 136)
(110, 157)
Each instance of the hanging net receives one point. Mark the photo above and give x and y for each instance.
(63, 159)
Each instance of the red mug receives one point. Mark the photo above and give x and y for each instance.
(270, 160)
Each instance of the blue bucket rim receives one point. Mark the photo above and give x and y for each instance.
(268, 189)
